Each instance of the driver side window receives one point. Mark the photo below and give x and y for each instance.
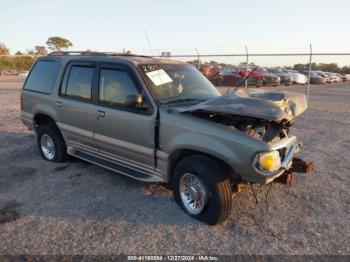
(116, 87)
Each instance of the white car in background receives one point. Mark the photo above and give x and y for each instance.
(23, 73)
(297, 78)
(347, 77)
(335, 78)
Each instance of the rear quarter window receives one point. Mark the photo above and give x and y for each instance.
(42, 77)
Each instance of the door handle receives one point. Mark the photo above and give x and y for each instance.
(59, 103)
(100, 113)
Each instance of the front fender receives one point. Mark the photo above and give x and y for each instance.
(202, 144)
(179, 131)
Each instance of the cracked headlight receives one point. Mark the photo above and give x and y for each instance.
(270, 161)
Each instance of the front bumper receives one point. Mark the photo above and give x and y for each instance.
(290, 147)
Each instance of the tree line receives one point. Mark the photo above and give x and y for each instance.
(24, 60)
(331, 67)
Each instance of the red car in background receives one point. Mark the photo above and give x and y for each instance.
(257, 77)
(235, 77)
(213, 73)
(8, 73)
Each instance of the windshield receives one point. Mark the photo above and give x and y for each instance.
(173, 83)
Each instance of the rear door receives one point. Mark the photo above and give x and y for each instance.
(123, 133)
(74, 106)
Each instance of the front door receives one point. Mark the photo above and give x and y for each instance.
(123, 132)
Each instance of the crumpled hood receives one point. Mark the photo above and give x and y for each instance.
(270, 105)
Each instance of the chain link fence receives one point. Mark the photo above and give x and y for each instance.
(270, 66)
(249, 66)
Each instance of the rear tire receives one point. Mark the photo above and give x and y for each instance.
(213, 180)
(51, 144)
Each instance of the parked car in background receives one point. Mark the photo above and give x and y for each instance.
(315, 78)
(347, 77)
(342, 77)
(8, 72)
(325, 75)
(285, 77)
(269, 79)
(213, 73)
(235, 77)
(297, 78)
(23, 73)
(335, 78)
(231, 76)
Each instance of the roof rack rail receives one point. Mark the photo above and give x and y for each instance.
(91, 53)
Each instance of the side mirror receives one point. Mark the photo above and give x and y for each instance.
(140, 103)
(136, 101)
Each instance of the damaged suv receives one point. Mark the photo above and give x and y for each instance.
(159, 120)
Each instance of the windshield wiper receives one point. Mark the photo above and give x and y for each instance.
(182, 100)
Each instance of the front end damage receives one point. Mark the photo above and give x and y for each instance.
(266, 116)
(298, 166)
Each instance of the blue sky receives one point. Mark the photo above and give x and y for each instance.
(179, 26)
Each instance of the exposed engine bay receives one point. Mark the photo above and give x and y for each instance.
(261, 129)
(265, 115)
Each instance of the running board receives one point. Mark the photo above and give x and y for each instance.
(111, 165)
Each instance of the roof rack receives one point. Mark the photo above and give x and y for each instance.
(91, 53)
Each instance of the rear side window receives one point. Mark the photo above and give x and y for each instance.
(79, 82)
(42, 77)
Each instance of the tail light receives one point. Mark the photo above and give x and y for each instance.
(21, 102)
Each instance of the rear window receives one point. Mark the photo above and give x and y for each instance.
(42, 77)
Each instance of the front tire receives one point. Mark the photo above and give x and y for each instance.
(202, 189)
(51, 144)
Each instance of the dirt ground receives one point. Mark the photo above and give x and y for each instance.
(79, 208)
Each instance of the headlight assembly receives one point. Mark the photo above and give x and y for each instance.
(269, 161)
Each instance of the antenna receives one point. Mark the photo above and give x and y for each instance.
(148, 42)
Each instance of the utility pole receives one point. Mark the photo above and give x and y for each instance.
(308, 82)
(246, 66)
(198, 61)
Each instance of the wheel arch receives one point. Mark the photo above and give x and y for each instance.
(40, 119)
(182, 153)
